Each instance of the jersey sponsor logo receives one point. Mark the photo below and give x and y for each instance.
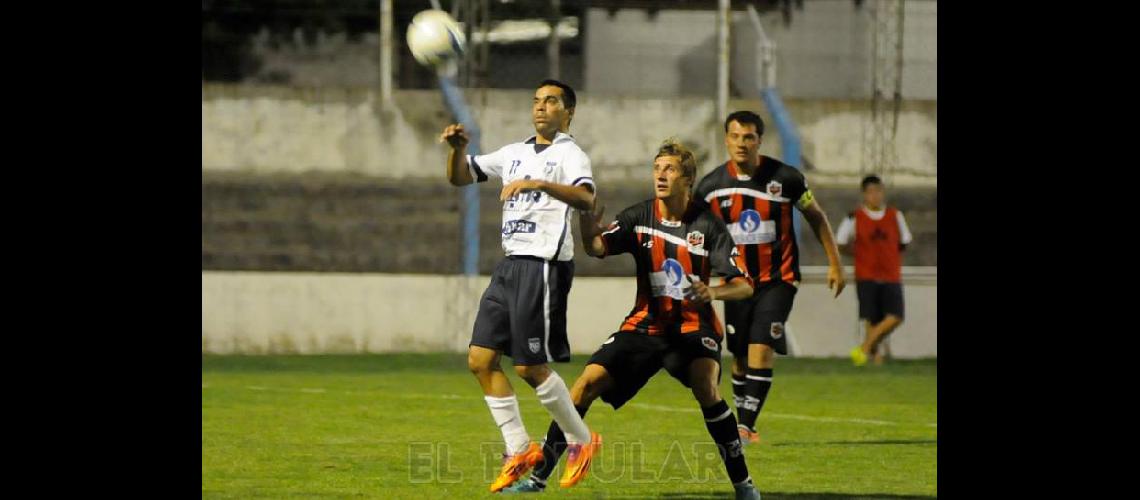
(709, 343)
(534, 344)
(775, 188)
(726, 203)
(518, 226)
(777, 330)
(752, 230)
(696, 239)
(668, 282)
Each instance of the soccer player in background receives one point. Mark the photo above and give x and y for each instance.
(672, 324)
(523, 311)
(754, 194)
(876, 234)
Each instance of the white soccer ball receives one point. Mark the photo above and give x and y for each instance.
(435, 38)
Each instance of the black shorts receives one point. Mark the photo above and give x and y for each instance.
(632, 358)
(878, 299)
(759, 319)
(523, 311)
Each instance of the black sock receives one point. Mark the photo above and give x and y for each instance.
(737, 391)
(722, 427)
(552, 449)
(756, 386)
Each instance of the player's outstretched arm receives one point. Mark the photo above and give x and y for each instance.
(589, 226)
(458, 174)
(817, 219)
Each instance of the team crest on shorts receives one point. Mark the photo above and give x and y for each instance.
(534, 344)
(775, 188)
(709, 343)
(777, 330)
(696, 239)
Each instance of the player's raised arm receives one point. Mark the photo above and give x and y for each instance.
(817, 219)
(458, 172)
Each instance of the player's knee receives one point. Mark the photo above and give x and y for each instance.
(533, 374)
(479, 365)
(760, 356)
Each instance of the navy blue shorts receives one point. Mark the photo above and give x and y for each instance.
(760, 319)
(877, 299)
(523, 311)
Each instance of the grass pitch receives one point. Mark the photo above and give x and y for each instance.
(415, 426)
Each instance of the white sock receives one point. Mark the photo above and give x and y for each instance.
(507, 416)
(556, 398)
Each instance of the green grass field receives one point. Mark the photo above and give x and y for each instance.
(416, 426)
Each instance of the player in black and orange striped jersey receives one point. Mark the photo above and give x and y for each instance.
(672, 324)
(754, 195)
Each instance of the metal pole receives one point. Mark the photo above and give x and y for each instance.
(385, 52)
(453, 98)
(552, 47)
(722, 67)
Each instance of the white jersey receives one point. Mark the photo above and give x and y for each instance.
(535, 223)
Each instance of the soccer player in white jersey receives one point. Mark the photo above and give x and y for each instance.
(523, 311)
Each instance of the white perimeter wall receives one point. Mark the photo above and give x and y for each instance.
(254, 312)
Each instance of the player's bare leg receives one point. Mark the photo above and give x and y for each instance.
(721, 424)
(882, 352)
(484, 364)
(877, 332)
(590, 385)
(757, 383)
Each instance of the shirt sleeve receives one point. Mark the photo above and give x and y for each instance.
(620, 237)
(904, 232)
(724, 257)
(485, 166)
(797, 190)
(846, 231)
(577, 171)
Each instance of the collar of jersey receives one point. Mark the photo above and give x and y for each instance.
(558, 137)
(874, 214)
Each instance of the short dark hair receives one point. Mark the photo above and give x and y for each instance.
(569, 100)
(673, 147)
(745, 117)
(868, 180)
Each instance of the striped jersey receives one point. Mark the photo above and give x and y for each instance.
(670, 255)
(758, 213)
(535, 223)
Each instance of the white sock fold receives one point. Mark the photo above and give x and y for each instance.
(555, 397)
(507, 416)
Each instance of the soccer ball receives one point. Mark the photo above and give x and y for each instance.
(435, 38)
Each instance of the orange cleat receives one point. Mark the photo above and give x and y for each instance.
(747, 436)
(514, 466)
(578, 458)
